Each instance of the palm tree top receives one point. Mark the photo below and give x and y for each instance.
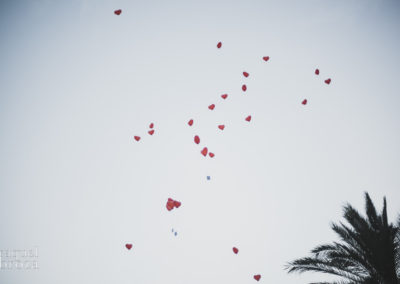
(368, 251)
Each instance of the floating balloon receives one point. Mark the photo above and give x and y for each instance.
(176, 234)
(246, 74)
(128, 246)
(219, 44)
(235, 250)
(118, 12)
(208, 177)
(328, 81)
(190, 122)
(211, 155)
(304, 102)
(137, 138)
(224, 96)
(257, 277)
(151, 132)
(211, 107)
(177, 204)
(244, 88)
(222, 127)
(266, 58)
(171, 204)
(204, 151)
(316, 71)
(197, 139)
(151, 125)
(248, 118)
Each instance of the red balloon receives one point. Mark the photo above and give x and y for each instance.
(266, 58)
(118, 12)
(190, 122)
(235, 250)
(221, 126)
(170, 206)
(304, 102)
(257, 277)
(224, 96)
(204, 151)
(177, 204)
(246, 74)
(219, 44)
(211, 107)
(197, 139)
(316, 71)
(137, 138)
(211, 155)
(151, 125)
(328, 81)
(248, 118)
(128, 246)
(151, 132)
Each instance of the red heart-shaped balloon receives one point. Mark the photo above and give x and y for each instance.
(137, 138)
(304, 102)
(328, 81)
(246, 74)
(248, 118)
(151, 132)
(197, 139)
(316, 71)
(170, 204)
(118, 12)
(235, 250)
(224, 96)
(266, 58)
(244, 88)
(257, 277)
(204, 151)
(219, 44)
(128, 246)
(221, 126)
(211, 106)
(177, 204)
(190, 122)
(151, 125)
(211, 155)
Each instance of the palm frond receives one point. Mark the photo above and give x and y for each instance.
(368, 251)
(321, 265)
(373, 218)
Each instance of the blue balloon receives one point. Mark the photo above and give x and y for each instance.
(176, 233)
(208, 177)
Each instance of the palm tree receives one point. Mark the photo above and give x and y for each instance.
(368, 251)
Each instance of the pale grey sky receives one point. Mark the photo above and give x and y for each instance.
(78, 82)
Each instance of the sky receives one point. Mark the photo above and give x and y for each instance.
(78, 82)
